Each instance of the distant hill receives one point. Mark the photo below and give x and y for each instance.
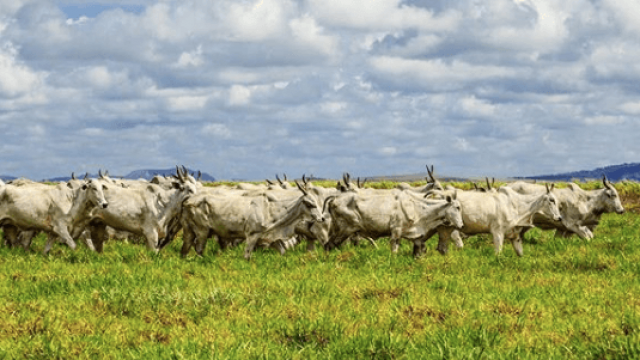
(147, 174)
(613, 172)
(7, 177)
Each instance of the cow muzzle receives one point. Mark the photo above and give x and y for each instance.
(620, 211)
(104, 205)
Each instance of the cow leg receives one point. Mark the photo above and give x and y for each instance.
(98, 235)
(47, 247)
(152, 240)
(25, 238)
(395, 239)
(456, 235)
(311, 245)
(498, 239)
(516, 241)
(252, 240)
(86, 237)
(517, 246)
(202, 235)
(444, 235)
(10, 235)
(280, 247)
(63, 233)
(187, 240)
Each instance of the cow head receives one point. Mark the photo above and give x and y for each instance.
(95, 193)
(310, 202)
(185, 182)
(549, 204)
(453, 211)
(609, 200)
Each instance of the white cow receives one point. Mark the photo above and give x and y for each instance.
(581, 210)
(57, 210)
(501, 214)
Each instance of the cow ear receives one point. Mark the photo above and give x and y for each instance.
(176, 185)
(69, 186)
(84, 187)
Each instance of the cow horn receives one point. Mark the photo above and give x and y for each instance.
(73, 176)
(106, 173)
(363, 182)
(268, 181)
(475, 186)
(179, 173)
(100, 175)
(433, 179)
(278, 178)
(606, 182)
(86, 175)
(547, 186)
(199, 175)
(304, 180)
(301, 188)
(345, 180)
(488, 183)
(284, 176)
(358, 182)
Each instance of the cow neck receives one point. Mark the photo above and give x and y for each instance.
(593, 199)
(438, 220)
(531, 204)
(80, 205)
(292, 212)
(176, 198)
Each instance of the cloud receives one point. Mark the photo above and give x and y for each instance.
(15, 77)
(499, 87)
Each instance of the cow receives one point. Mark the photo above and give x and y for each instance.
(501, 214)
(57, 210)
(581, 210)
(256, 219)
(400, 214)
(151, 211)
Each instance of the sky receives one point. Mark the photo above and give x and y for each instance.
(246, 89)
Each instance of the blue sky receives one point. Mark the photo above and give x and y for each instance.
(245, 89)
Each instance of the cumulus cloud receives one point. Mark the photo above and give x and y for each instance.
(244, 89)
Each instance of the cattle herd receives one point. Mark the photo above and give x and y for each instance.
(278, 214)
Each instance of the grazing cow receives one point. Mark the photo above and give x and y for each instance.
(581, 210)
(501, 214)
(259, 218)
(151, 212)
(57, 210)
(400, 214)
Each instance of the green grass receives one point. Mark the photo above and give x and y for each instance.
(565, 299)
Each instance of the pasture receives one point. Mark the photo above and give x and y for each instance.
(565, 298)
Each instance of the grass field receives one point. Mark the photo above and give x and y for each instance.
(565, 299)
